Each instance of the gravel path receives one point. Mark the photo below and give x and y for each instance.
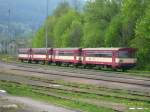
(38, 106)
(23, 104)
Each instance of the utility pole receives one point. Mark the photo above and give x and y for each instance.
(8, 39)
(46, 32)
(9, 36)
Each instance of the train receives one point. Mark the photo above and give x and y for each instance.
(114, 58)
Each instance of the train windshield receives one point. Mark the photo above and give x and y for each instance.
(126, 54)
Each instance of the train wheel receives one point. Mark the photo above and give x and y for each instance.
(43, 62)
(67, 64)
(37, 62)
(59, 64)
(29, 61)
(56, 63)
(22, 60)
(49, 63)
(114, 69)
(124, 69)
(76, 65)
(90, 66)
(84, 66)
(98, 67)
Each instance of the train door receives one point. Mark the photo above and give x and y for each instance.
(30, 54)
(114, 54)
(84, 57)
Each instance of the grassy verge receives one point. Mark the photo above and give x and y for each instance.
(28, 91)
(7, 58)
(132, 72)
(74, 100)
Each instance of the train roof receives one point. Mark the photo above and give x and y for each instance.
(66, 48)
(107, 49)
(23, 49)
(41, 48)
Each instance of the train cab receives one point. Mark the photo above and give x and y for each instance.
(123, 58)
(126, 58)
(24, 54)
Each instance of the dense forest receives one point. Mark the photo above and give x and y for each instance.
(101, 23)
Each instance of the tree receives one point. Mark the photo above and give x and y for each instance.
(142, 40)
(103, 23)
(98, 15)
(62, 8)
(131, 11)
(39, 39)
(113, 35)
(67, 30)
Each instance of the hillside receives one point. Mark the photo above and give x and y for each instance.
(26, 15)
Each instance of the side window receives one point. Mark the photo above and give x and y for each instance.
(99, 54)
(66, 53)
(61, 53)
(40, 52)
(22, 52)
(126, 54)
(79, 54)
(106, 54)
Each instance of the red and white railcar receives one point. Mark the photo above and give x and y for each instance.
(109, 57)
(24, 54)
(41, 54)
(66, 55)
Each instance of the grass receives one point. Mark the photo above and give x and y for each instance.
(7, 58)
(81, 96)
(27, 91)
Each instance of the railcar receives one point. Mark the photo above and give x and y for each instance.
(41, 55)
(109, 57)
(24, 54)
(67, 56)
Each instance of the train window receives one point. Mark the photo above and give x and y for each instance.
(40, 52)
(66, 54)
(78, 54)
(61, 54)
(22, 52)
(98, 54)
(126, 54)
(105, 55)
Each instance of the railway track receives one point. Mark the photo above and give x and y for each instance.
(80, 90)
(74, 86)
(84, 71)
(42, 85)
(88, 72)
(100, 77)
(92, 72)
(45, 90)
(124, 80)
